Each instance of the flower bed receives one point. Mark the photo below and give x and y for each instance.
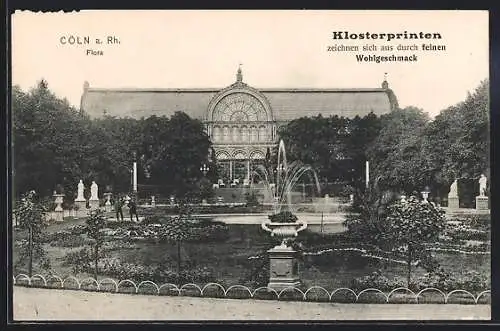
(471, 281)
(152, 227)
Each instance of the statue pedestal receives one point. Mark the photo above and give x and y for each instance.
(453, 202)
(283, 268)
(482, 202)
(82, 208)
(94, 204)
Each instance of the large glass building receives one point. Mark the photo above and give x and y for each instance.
(242, 121)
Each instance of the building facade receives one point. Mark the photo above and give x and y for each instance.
(241, 121)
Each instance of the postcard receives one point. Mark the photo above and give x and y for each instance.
(250, 165)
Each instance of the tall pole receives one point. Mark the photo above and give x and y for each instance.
(367, 175)
(248, 170)
(134, 187)
(230, 170)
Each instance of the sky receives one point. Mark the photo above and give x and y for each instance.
(184, 49)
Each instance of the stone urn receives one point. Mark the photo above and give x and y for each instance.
(284, 230)
(58, 211)
(107, 204)
(58, 199)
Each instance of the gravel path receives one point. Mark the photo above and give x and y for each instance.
(48, 304)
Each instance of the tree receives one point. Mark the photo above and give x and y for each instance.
(368, 213)
(410, 224)
(50, 140)
(457, 141)
(174, 149)
(334, 146)
(112, 146)
(54, 143)
(396, 155)
(94, 226)
(30, 213)
(177, 229)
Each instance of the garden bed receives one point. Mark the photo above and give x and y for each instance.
(238, 256)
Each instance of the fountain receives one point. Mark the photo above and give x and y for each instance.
(283, 223)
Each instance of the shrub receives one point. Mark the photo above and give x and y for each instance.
(209, 231)
(283, 217)
(80, 261)
(257, 274)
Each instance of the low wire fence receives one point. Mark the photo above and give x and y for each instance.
(216, 290)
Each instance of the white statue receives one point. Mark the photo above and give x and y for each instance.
(93, 191)
(454, 189)
(81, 187)
(482, 185)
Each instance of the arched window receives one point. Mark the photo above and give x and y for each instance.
(262, 133)
(216, 133)
(235, 134)
(244, 134)
(253, 133)
(239, 107)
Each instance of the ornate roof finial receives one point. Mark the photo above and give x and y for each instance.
(239, 75)
(385, 84)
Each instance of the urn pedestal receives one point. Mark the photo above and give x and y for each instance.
(482, 202)
(453, 202)
(283, 268)
(283, 264)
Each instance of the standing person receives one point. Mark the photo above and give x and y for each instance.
(133, 210)
(118, 208)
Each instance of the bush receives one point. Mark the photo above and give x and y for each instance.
(209, 231)
(80, 261)
(283, 217)
(257, 271)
